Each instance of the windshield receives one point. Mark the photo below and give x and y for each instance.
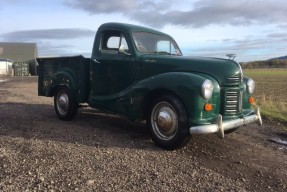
(155, 44)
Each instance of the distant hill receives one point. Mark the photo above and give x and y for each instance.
(279, 62)
(278, 58)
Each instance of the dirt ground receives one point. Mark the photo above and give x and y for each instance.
(101, 152)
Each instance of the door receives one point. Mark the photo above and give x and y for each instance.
(112, 71)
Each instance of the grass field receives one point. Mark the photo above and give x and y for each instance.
(270, 92)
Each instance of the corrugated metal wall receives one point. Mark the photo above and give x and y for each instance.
(21, 69)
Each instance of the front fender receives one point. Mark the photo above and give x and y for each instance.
(186, 86)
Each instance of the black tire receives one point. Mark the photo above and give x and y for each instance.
(168, 123)
(65, 104)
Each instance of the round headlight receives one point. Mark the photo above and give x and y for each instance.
(250, 86)
(207, 89)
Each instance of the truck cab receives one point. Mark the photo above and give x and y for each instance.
(141, 74)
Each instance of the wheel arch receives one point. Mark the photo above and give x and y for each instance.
(56, 88)
(62, 79)
(156, 93)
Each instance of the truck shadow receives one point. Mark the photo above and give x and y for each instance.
(90, 127)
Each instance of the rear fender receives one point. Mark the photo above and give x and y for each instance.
(63, 78)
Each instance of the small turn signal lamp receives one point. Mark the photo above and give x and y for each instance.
(208, 107)
(251, 100)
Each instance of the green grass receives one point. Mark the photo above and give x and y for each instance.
(270, 92)
(265, 72)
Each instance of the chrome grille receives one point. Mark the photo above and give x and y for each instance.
(233, 79)
(231, 102)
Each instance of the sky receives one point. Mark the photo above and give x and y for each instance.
(251, 29)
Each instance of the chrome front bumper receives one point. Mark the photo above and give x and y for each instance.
(220, 126)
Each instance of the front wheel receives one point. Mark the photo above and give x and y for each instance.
(65, 105)
(168, 123)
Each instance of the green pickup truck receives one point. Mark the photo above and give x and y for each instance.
(140, 73)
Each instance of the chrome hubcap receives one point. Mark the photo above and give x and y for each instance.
(164, 121)
(63, 103)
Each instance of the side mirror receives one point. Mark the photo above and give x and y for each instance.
(122, 49)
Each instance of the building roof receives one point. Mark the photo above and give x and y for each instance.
(19, 52)
(6, 60)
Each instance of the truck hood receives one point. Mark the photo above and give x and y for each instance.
(225, 71)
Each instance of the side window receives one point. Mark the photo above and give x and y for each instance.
(111, 42)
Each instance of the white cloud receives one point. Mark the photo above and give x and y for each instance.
(197, 13)
(29, 35)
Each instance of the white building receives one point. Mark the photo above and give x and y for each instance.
(6, 67)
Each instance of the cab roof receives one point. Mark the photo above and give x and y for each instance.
(130, 28)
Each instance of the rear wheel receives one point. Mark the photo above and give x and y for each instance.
(65, 105)
(168, 123)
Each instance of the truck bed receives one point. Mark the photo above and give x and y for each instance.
(72, 72)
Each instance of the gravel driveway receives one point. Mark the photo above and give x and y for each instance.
(102, 152)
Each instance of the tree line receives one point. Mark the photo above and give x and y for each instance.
(264, 64)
